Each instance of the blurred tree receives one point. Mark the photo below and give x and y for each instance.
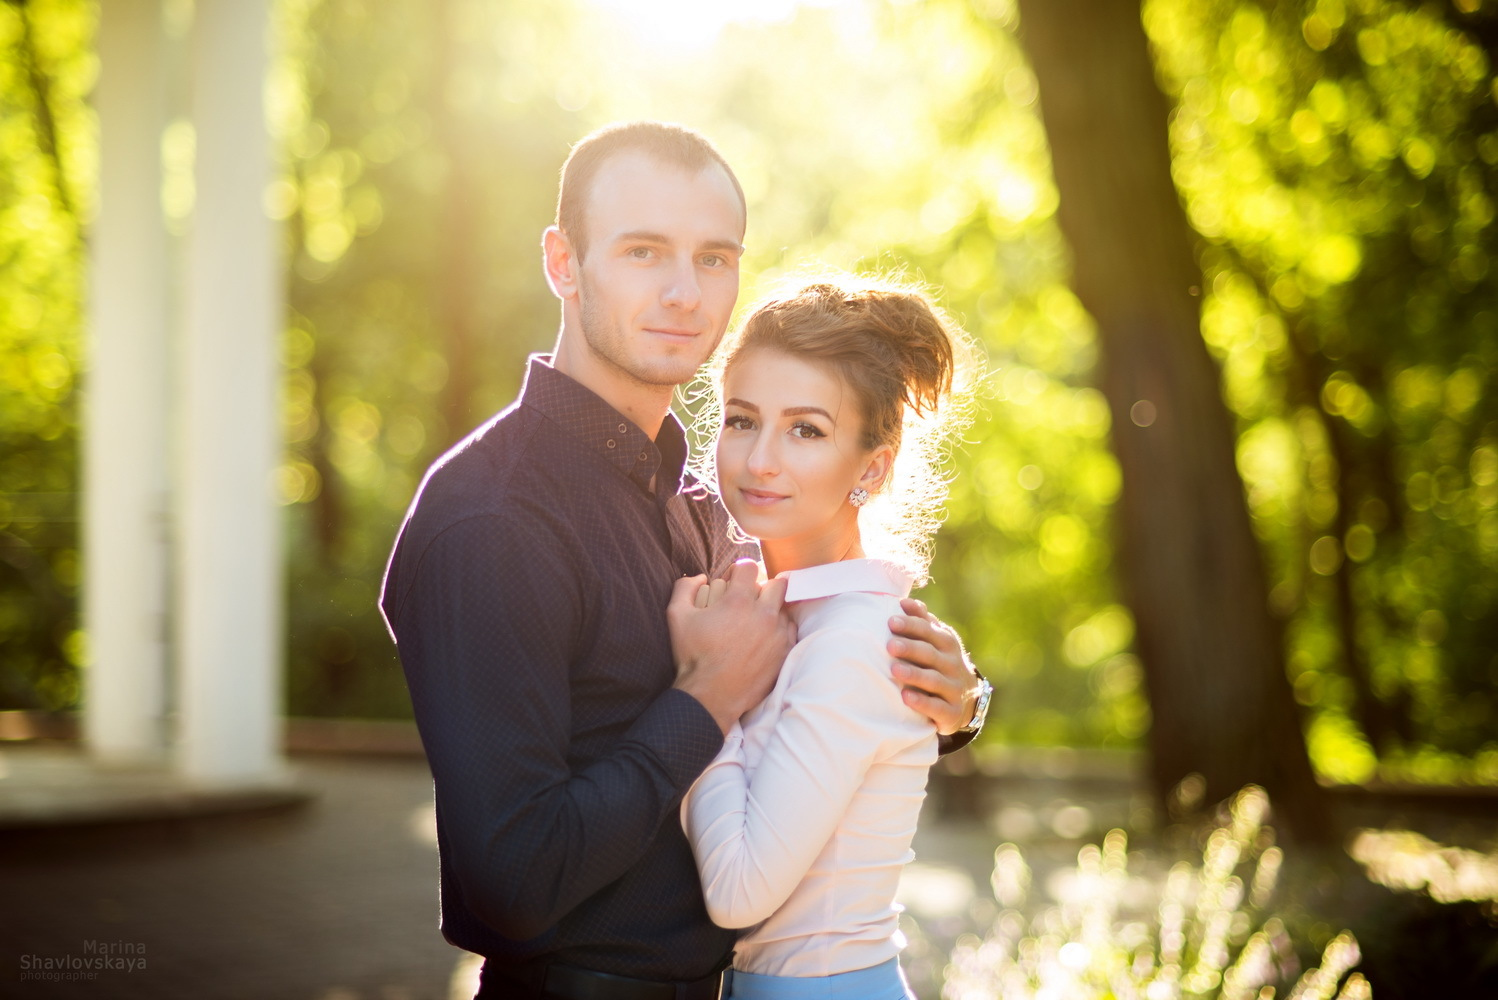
(46, 69)
(1338, 161)
(1335, 160)
(420, 172)
(1190, 565)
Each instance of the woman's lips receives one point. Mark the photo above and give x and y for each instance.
(760, 498)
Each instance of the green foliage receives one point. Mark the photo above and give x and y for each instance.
(417, 182)
(46, 69)
(1336, 157)
(1338, 160)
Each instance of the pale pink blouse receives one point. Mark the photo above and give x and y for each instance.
(802, 823)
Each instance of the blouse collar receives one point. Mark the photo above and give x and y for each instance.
(872, 576)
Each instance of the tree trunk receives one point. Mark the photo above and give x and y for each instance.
(1190, 566)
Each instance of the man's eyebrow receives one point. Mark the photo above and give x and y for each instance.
(645, 236)
(640, 236)
(737, 248)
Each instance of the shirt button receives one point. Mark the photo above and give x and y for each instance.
(644, 456)
(623, 428)
(613, 443)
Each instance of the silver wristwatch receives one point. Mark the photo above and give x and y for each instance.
(985, 694)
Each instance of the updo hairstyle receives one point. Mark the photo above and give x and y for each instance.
(910, 369)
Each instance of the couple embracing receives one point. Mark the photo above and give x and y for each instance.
(678, 716)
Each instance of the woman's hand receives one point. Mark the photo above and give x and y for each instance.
(729, 643)
(710, 593)
(938, 680)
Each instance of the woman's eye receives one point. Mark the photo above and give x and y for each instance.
(737, 423)
(806, 431)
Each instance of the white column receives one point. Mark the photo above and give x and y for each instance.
(229, 613)
(125, 439)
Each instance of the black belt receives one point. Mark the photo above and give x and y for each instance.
(565, 982)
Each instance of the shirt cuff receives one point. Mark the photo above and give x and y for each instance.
(680, 733)
(953, 742)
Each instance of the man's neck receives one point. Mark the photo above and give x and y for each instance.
(643, 405)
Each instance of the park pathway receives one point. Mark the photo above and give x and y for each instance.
(337, 899)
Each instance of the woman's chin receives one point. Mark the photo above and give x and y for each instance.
(757, 526)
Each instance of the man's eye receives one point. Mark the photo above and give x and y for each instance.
(640, 252)
(713, 260)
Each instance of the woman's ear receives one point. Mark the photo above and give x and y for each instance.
(881, 460)
(560, 262)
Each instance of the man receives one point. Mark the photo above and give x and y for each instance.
(528, 595)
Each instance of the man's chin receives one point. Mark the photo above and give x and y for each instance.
(673, 372)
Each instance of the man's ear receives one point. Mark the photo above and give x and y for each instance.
(560, 262)
(877, 471)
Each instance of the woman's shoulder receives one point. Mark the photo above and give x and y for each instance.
(852, 611)
(843, 635)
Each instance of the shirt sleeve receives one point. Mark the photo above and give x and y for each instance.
(755, 838)
(486, 637)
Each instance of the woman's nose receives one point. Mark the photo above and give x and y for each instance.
(763, 460)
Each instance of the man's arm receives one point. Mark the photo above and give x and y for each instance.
(486, 638)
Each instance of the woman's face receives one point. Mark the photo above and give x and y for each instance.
(790, 451)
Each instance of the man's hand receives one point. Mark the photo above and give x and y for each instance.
(938, 680)
(730, 642)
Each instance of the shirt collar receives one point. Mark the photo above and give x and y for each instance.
(870, 576)
(601, 428)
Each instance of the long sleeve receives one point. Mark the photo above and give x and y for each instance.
(529, 833)
(756, 835)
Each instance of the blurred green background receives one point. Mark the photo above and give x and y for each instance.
(1336, 159)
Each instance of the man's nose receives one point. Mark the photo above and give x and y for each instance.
(682, 290)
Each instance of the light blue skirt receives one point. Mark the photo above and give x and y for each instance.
(884, 981)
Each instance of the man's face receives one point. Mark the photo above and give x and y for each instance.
(658, 283)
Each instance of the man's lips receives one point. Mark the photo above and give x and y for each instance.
(674, 333)
(760, 498)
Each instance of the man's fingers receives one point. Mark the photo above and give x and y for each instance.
(915, 652)
(923, 703)
(744, 577)
(774, 591)
(945, 716)
(913, 607)
(930, 681)
(923, 630)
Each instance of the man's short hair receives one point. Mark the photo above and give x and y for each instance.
(676, 145)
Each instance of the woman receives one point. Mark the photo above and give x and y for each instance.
(802, 823)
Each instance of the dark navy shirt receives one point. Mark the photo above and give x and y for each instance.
(527, 595)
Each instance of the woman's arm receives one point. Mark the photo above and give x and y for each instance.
(754, 841)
